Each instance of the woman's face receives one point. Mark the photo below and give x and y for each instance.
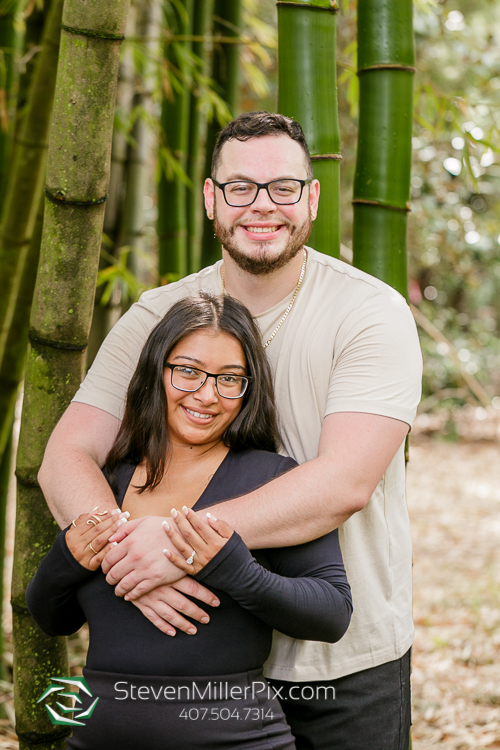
(201, 417)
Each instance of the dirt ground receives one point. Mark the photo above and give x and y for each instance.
(454, 501)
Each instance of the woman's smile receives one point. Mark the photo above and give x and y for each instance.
(201, 417)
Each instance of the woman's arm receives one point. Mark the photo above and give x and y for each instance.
(305, 595)
(51, 595)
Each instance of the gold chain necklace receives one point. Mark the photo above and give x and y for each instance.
(294, 297)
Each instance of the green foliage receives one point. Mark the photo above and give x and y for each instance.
(454, 226)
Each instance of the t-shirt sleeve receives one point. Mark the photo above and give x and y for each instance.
(377, 365)
(107, 381)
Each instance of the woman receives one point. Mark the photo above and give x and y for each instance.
(199, 427)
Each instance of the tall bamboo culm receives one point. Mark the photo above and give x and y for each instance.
(203, 49)
(27, 173)
(139, 181)
(226, 74)
(386, 61)
(76, 188)
(307, 92)
(172, 192)
(11, 27)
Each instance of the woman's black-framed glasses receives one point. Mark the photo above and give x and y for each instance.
(240, 193)
(191, 379)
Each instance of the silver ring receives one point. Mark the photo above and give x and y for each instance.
(191, 557)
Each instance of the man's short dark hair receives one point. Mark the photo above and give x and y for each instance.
(257, 124)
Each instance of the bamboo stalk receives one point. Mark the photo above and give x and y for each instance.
(139, 181)
(76, 187)
(203, 19)
(10, 46)
(226, 74)
(11, 372)
(34, 27)
(172, 193)
(105, 316)
(5, 477)
(26, 176)
(382, 180)
(308, 93)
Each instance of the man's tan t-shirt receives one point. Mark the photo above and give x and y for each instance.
(349, 344)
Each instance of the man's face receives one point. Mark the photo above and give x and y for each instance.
(264, 236)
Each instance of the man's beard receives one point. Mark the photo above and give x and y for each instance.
(260, 265)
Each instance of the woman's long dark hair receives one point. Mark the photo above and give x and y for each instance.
(143, 435)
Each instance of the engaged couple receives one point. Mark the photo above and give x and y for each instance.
(233, 464)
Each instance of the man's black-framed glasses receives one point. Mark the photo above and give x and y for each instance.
(191, 379)
(240, 193)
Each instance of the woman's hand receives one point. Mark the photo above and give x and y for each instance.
(88, 536)
(200, 541)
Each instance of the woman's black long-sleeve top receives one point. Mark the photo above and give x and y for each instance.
(301, 591)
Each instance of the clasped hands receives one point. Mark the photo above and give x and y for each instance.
(147, 561)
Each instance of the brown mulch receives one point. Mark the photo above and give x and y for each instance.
(454, 502)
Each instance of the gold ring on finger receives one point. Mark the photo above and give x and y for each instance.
(93, 550)
(92, 522)
(73, 522)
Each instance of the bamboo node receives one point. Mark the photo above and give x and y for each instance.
(35, 338)
(305, 6)
(59, 198)
(26, 480)
(387, 66)
(326, 157)
(95, 34)
(378, 204)
(19, 609)
(37, 738)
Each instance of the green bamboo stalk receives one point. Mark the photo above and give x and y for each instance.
(307, 87)
(139, 168)
(5, 477)
(226, 74)
(105, 316)
(203, 19)
(10, 377)
(172, 193)
(26, 176)
(34, 27)
(11, 371)
(77, 182)
(382, 180)
(11, 28)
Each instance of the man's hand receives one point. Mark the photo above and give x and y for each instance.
(166, 605)
(137, 565)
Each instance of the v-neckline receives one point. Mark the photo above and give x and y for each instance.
(205, 491)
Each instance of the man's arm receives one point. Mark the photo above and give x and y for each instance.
(307, 502)
(70, 475)
(354, 451)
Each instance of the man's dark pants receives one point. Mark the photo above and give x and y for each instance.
(371, 709)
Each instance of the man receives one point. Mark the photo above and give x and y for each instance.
(347, 368)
